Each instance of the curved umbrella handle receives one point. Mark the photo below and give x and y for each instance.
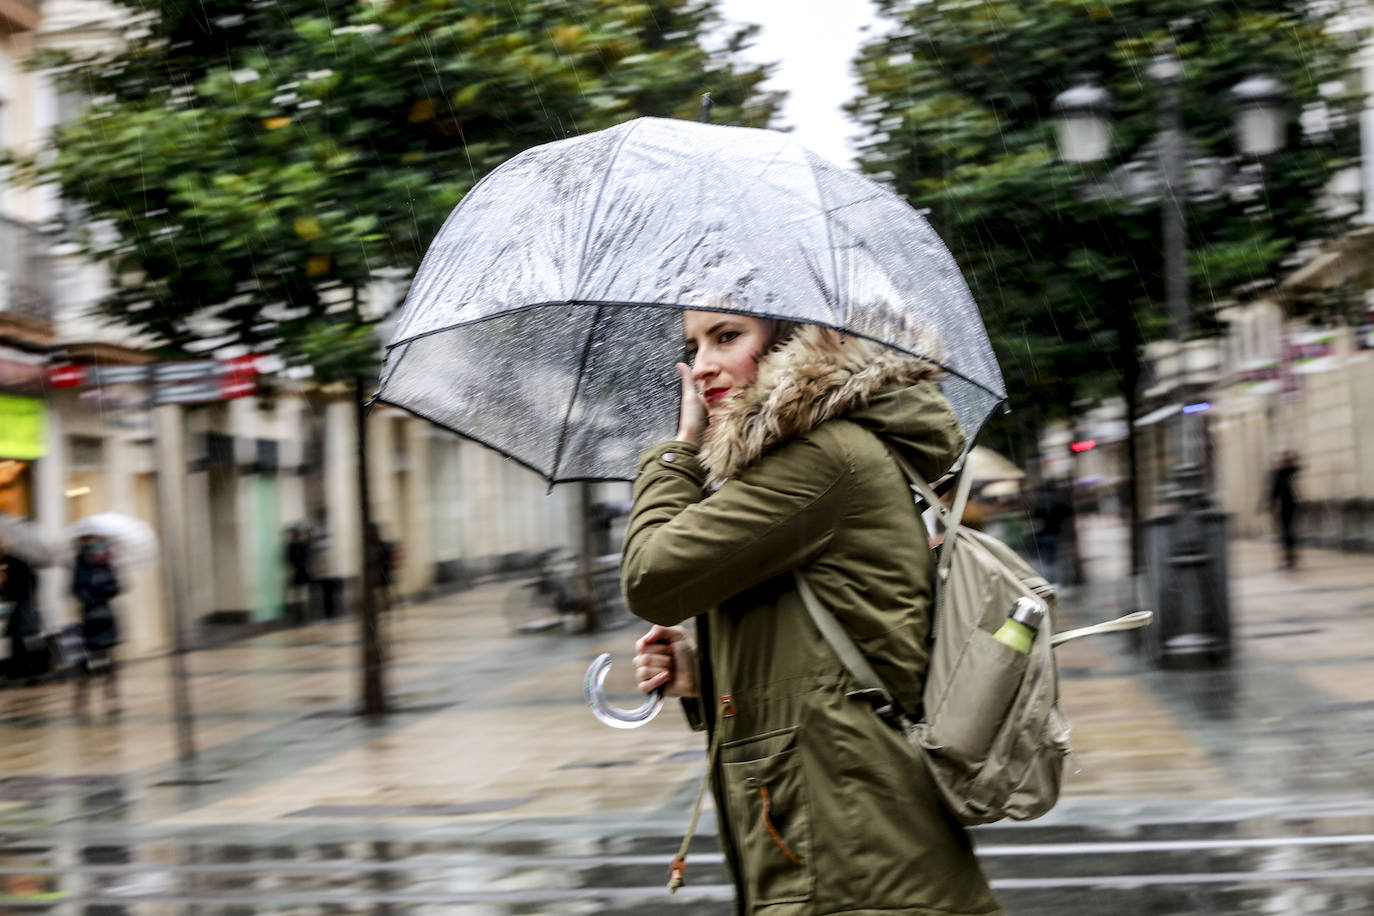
(593, 689)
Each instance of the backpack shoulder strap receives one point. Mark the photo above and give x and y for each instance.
(950, 518)
(871, 687)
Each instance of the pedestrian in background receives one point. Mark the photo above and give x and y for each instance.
(28, 656)
(1053, 513)
(781, 465)
(382, 556)
(1283, 502)
(300, 556)
(94, 585)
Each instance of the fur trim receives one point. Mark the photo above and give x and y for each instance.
(814, 375)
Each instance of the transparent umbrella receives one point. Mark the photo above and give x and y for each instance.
(545, 318)
(134, 542)
(25, 539)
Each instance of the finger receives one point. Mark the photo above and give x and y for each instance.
(653, 683)
(659, 635)
(653, 663)
(689, 387)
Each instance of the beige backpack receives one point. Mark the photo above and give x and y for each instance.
(991, 732)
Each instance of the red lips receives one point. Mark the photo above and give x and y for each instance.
(714, 394)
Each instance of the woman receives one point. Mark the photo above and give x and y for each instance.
(94, 586)
(781, 463)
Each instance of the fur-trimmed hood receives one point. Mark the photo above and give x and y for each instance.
(817, 375)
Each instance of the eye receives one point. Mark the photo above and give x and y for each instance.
(727, 336)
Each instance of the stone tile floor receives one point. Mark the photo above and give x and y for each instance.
(491, 726)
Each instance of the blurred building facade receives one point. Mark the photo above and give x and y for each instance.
(1298, 376)
(76, 439)
(1292, 370)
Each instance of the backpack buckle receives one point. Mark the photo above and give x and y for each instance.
(881, 701)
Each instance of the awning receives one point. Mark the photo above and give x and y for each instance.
(986, 465)
(1159, 413)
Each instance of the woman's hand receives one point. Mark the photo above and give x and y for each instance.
(666, 658)
(691, 422)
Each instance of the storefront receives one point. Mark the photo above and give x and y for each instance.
(23, 439)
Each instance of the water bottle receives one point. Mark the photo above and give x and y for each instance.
(1021, 625)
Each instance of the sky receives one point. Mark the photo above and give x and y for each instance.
(813, 43)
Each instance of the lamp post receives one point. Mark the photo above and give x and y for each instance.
(1185, 546)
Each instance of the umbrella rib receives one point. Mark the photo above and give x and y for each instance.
(596, 204)
(453, 215)
(829, 240)
(577, 389)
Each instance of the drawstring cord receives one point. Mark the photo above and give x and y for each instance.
(679, 866)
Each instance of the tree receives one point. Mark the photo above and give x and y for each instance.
(246, 169)
(258, 165)
(955, 106)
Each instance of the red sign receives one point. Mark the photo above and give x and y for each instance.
(196, 381)
(66, 376)
(240, 377)
(1084, 445)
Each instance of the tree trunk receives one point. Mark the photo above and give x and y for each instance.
(374, 688)
(374, 691)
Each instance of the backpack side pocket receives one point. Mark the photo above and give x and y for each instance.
(978, 695)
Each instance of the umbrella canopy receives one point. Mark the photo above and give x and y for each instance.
(134, 542)
(545, 318)
(23, 538)
(986, 465)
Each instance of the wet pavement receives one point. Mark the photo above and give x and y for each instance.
(493, 791)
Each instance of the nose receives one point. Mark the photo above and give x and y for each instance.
(703, 366)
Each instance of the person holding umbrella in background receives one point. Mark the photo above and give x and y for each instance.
(94, 586)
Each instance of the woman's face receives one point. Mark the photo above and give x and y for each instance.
(724, 351)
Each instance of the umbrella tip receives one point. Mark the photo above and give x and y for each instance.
(706, 108)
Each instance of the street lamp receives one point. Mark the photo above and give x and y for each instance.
(1185, 547)
(1260, 122)
(1083, 121)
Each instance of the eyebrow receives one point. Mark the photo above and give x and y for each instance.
(711, 330)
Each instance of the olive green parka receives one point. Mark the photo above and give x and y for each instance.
(822, 807)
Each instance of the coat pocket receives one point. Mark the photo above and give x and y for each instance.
(977, 698)
(769, 816)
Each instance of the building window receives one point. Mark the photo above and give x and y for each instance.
(85, 482)
(85, 453)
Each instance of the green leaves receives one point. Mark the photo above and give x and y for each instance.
(956, 103)
(257, 163)
(338, 351)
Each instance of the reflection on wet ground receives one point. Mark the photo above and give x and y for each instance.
(1247, 790)
(1280, 864)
